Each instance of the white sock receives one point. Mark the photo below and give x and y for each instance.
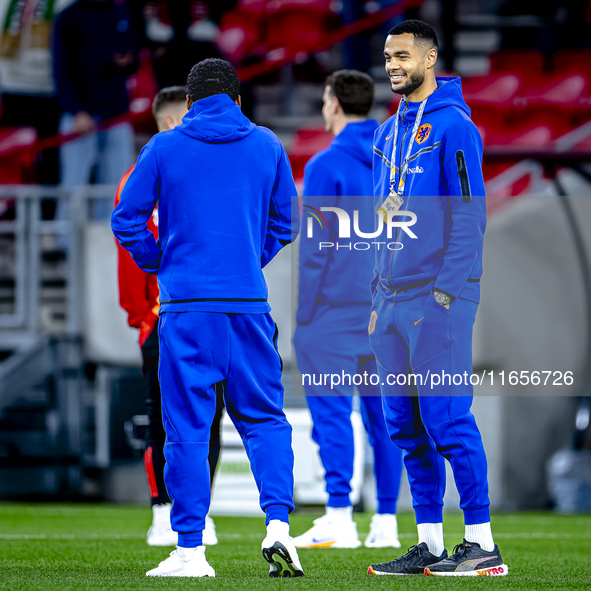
(481, 534)
(340, 514)
(432, 535)
(278, 527)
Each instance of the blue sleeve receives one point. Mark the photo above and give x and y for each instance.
(64, 49)
(129, 220)
(283, 225)
(462, 175)
(319, 183)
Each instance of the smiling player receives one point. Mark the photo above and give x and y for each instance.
(427, 160)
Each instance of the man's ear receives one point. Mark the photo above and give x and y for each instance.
(169, 122)
(238, 101)
(431, 57)
(337, 105)
(189, 102)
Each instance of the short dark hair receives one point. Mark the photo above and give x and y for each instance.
(171, 94)
(353, 89)
(423, 33)
(213, 76)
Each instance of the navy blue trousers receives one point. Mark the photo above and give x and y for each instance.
(431, 421)
(198, 350)
(335, 341)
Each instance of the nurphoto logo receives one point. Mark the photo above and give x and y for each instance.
(395, 219)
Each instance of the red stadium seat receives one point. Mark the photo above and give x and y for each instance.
(320, 6)
(297, 30)
(495, 92)
(561, 91)
(577, 140)
(240, 34)
(307, 142)
(142, 90)
(516, 61)
(17, 167)
(255, 7)
(536, 130)
(298, 25)
(571, 61)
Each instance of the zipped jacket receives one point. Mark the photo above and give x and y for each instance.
(444, 188)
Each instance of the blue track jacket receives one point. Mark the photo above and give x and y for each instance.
(444, 188)
(339, 176)
(224, 189)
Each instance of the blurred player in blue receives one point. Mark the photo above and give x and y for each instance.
(224, 190)
(428, 164)
(334, 307)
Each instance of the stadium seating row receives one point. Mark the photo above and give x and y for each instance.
(257, 27)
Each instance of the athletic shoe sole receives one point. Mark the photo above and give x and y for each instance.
(279, 551)
(493, 571)
(371, 571)
(180, 575)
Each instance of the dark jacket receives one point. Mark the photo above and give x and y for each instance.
(87, 36)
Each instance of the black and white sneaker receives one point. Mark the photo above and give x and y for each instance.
(414, 562)
(279, 551)
(470, 560)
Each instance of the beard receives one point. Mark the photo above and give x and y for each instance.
(414, 81)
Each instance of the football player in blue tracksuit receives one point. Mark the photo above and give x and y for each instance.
(224, 191)
(427, 161)
(334, 308)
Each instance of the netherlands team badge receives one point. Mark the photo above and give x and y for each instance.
(423, 133)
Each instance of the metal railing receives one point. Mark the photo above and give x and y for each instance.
(21, 313)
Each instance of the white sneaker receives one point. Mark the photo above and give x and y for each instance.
(278, 545)
(327, 532)
(184, 562)
(160, 532)
(383, 532)
(210, 537)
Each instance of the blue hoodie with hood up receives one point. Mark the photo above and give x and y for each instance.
(339, 176)
(224, 190)
(444, 188)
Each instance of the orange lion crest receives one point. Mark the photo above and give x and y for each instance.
(423, 133)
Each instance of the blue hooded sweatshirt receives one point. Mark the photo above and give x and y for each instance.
(339, 176)
(444, 188)
(224, 191)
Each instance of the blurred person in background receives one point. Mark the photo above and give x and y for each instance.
(224, 189)
(139, 297)
(180, 33)
(95, 50)
(25, 77)
(428, 161)
(334, 308)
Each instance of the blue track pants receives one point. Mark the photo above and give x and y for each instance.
(334, 342)
(198, 350)
(431, 422)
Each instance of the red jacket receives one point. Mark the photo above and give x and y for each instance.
(138, 290)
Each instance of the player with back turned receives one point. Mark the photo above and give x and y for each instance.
(428, 161)
(224, 189)
(334, 304)
(139, 297)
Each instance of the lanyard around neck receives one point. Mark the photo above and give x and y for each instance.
(404, 165)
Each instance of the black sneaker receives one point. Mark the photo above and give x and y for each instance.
(414, 562)
(470, 560)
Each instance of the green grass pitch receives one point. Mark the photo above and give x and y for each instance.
(65, 547)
